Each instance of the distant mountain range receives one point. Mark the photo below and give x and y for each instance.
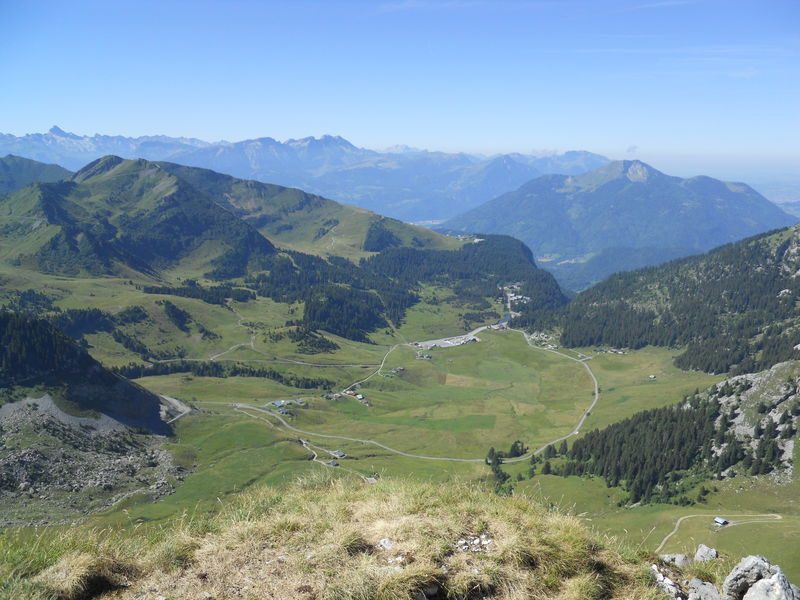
(406, 183)
(622, 216)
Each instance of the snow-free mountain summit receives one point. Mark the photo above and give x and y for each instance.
(622, 216)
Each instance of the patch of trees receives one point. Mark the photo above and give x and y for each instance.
(31, 347)
(222, 370)
(346, 312)
(217, 294)
(76, 322)
(501, 478)
(644, 451)
(476, 269)
(30, 301)
(392, 279)
(179, 317)
(379, 238)
(130, 343)
(296, 277)
(650, 453)
(494, 458)
(131, 315)
(311, 342)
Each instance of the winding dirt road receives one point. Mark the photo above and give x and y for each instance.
(765, 518)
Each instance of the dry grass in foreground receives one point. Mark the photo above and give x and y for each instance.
(337, 540)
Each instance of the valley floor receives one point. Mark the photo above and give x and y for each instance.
(430, 419)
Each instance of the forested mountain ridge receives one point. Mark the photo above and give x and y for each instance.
(17, 172)
(353, 300)
(623, 215)
(734, 308)
(404, 183)
(33, 353)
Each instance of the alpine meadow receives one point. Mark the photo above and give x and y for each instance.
(399, 300)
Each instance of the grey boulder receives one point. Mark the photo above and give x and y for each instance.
(745, 581)
(679, 560)
(705, 553)
(776, 587)
(702, 590)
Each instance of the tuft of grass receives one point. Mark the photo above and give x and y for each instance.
(80, 575)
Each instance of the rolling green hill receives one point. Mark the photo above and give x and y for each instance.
(734, 308)
(17, 172)
(118, 215)
(296, 220)
(621, 216)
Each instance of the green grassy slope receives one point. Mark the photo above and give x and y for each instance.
(296, 220)
(115, 216)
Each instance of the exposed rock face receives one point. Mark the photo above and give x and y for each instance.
(679, 560)
(702, 590)
(754, 578)
(756, 402)
(705, 553)
(773, 588)
(55, 466)
(667, 585)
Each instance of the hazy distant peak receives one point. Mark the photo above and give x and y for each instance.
(403, 149)
(325, 141)
(632, 170)
(57, 131)
(583, 220)
(637, 171)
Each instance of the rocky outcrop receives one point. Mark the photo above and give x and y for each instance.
(754, 578)
(55, 467)
(702, 590)
(679, 560)
(666, 584)
(705, 553)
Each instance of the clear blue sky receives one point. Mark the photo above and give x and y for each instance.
(691, 85)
